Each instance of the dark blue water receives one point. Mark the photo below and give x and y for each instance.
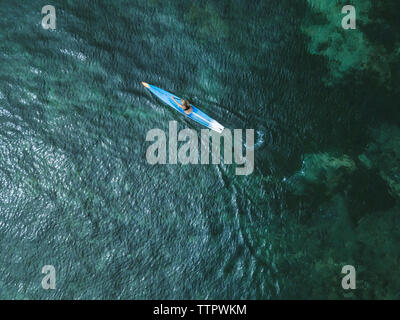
(76, 191)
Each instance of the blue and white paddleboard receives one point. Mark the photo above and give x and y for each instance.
(174, 101)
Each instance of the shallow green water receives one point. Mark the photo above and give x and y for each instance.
(77, 192)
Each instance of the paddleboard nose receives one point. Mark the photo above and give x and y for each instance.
(145, 84)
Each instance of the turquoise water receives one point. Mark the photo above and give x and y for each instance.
(77, 192)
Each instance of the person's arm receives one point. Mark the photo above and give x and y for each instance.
(178, 104)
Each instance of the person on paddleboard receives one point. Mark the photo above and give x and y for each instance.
(186, 106)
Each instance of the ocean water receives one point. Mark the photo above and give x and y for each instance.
(77, 193)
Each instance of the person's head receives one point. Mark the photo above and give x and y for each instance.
(185, 103)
